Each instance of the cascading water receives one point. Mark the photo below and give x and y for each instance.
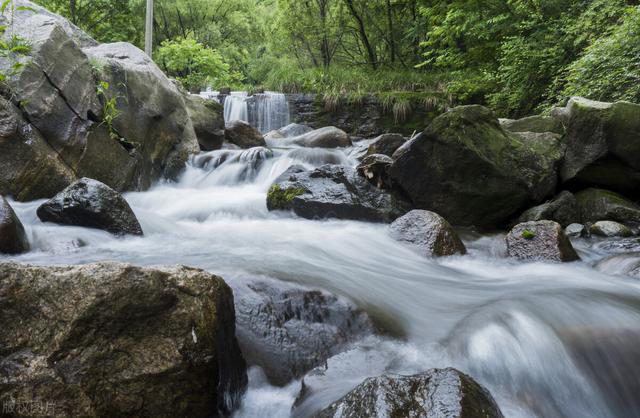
(265, 111)
(548, 340)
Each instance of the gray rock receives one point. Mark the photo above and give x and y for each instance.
(386, 144)
(428, 231)
(375, 168)
(117, 340)
(472, 172)
(575, 230)
(208, 121)
(609, 229)
(243, 135)
(327, 137)
(13, 239)
(437, 393)
(91, 204)
(294, 129)
(603, 205)
(333, 191)
(288, 330)
(536, 124)
(563, 209)
(540, 241)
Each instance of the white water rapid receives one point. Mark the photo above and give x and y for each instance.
(547, 340)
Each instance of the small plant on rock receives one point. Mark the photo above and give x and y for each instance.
(528, 234)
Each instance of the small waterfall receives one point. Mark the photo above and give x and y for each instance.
(265, 111)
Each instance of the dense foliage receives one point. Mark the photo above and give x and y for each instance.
(519, 56)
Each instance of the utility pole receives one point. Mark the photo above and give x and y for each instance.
(148, 33)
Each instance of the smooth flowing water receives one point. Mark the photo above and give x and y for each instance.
(548, 340)
(266, 111)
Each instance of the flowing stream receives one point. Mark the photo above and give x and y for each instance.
(547, 340)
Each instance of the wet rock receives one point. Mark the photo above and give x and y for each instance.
(288, 330)
(91, 204)
(333, 191)
(375, 168)
(294, 129)
(437, 393)
(562, 209)
(627, 264)
(540, 241)
(243, 135)
(602, 135)
(536, 124)
(609, 229)
(112, 339)
(428, 231)
(327, 137)
(575, 230)
(386, 144)
(208, 121)
(603, 205)
(468, 169)
(13, 239)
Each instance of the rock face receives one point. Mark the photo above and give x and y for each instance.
(13, 239)
(91, 204)
(429, 231)
(116, 340)
(599, 205)
(468, 169)
(610, 229)
(540, 241)
(288, 330)
(386, 144)
(536, 124)
(437, 393)
(562, 209)
(243, 135)
(333, 191)
(327, 137)
(375, 168)
(208, 121)
(603, 144)
(150, 137)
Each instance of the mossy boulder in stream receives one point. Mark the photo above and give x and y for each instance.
(429, 232)
(563, 209)
(466, 168)
(540, 241)
(437, 393)
(114, 340)
(208, 121)
(603, 205)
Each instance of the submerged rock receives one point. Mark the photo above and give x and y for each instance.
(562, 209)
(91, 204)
(627, 264)
(437, 393)
(327, 137)
(375, 168)
(603, 205)
(288, 330)
(468, 169)
(112, 339)
(243, 135)
(208, 121)
(386, 144)
(610, 229)
(540, 241)
(13, 239)
(428, 231)
(333, 191)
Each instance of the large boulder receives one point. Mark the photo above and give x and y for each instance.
(145, 136)
(243, 135)
(294, 129)
(563, 209)
(91, 204)
(536, 124)
(469, 170)
(327, 137)
(333, 191)
(428, 231)
(386, 144)
(437, 393)
(207, 118)
(288, 330)
(117, 340)
(540, 241)
(13, 239)
(610, 229)
(602, 205)
(603, 144)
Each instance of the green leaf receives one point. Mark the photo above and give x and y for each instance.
(4, 5)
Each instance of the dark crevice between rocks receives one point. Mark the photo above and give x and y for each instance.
(62, 96)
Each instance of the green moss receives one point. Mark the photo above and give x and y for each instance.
(527, 234)
(279, 198)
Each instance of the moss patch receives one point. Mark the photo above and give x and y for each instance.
(527, 234)
(279, 198)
